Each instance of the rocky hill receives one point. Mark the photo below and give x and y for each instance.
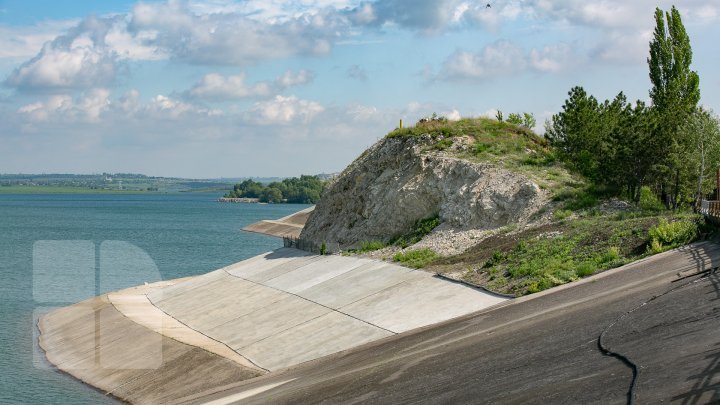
(473, 175)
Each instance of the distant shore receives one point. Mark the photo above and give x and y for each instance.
(238, 200)
(66, 190)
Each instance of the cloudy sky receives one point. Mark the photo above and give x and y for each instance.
(211, 88)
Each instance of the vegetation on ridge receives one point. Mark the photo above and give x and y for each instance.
(557, 253)
(296, 190)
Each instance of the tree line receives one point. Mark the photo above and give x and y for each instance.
(671, 146)
(296, 190)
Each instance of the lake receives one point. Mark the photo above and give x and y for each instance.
(182, 234)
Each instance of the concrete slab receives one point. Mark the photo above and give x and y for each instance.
(319, 337)
(290, 225)
(140, 310)
(229, 302)
(366, 280)
(418, 303)
(276, 271)
(195, 300)
(315, 273)
(246, 269)
(261, 324)
(119, 364)
(180, 288)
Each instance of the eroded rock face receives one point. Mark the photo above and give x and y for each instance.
(393, 184)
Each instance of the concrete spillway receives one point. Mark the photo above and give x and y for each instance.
(263, 314)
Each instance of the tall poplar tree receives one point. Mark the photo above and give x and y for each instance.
(675, 95)
(676, 88)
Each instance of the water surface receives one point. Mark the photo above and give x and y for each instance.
(184, 234)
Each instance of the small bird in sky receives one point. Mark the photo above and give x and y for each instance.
(488, 5)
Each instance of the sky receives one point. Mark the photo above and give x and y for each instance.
(221, 88)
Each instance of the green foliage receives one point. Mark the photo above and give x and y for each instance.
(676, 89)
(296, 190)
(369, 246)
(421, 228)
(648, 200)
(499, 116)
(529, 120)
(577, 198)
(416, 258)
(559, 215)
(443, 144)
(612, 255)
(515, 119)
(624, 146)
(496, 258)
(323, 249)
(581, 248)
(668, 235)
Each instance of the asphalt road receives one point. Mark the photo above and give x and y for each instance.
(539, 349)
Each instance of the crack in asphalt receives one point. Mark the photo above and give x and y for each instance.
(631, 394)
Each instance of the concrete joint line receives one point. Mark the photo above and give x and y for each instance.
(319, 304)
(215, 340)
(250, 364)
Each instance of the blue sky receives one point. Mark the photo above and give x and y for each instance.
(211, 88)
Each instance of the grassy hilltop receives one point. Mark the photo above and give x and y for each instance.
(587, 230)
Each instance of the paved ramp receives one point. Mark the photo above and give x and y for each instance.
(290, 225)
(287, 306)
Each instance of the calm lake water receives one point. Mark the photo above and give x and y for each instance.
(183, 234)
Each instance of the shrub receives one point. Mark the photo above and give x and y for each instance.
(612, 255)
(369, 246)
(443, 144)
(515, 119)
(648, 200)
(416, 258)
(421, 228)
(561, 214)
(667, 235)
(496, 258)
(585, 269)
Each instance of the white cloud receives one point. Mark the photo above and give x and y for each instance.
(615, 14)
(623, 46)
(63, 67)
(552, 58)
(453, 115)
(290, 78)
(285, 110)
(215, 86)
(501, 58)
(168, 108)
(504, 58)
(86, 108)
(26, 42)
(129, 102)
(232, 38)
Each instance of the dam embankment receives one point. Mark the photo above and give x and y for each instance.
(157, 343)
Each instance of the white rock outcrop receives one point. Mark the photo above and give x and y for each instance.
(395, 183)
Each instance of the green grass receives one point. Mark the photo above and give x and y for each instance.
(562, 252)
(62, 190)
(369, 246)
(512, 147)
(416, 258)
(419, 230)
